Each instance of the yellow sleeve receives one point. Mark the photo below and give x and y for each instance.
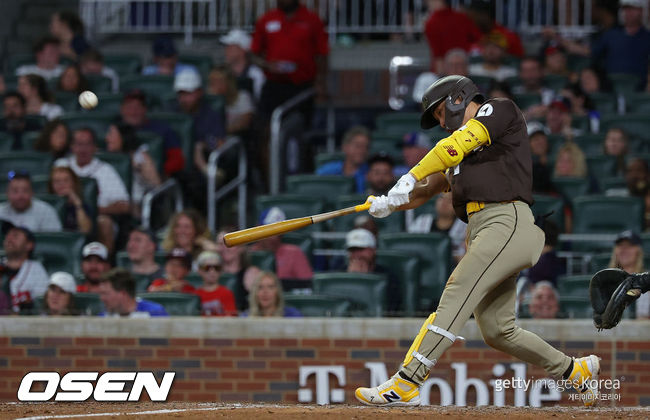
(451, 150)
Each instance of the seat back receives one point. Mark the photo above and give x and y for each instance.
(97, 121)
(176, 304)
(326, 187)
(318, 306)
(367, 292)
(121, 162)
(293, 205)
(60, 251)
(88, 303)
(264, 260)
(570, 187)
(602, 214)
(36, 163)
(182, 125)
(576, 307)
(99, 83)
(545, 204)
(406, 268)
(398, 122)
(573, 286)
(124, 64)
(390, 224)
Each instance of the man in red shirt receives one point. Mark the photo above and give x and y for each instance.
(216, 300)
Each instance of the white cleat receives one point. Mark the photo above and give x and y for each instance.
(394, 392)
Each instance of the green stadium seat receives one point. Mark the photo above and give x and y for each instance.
(36, 163)
(323, 158)
(526, 100)
(605, 102)
(612, 183)
(323, 186)
(99, 84)
(40, 184)
(142, 281)
(366, 292)
(601, 214)
(293, 205)
(194, 279)
(427, 208)
(600, 261)
(623, 82)
(601, 166)
(389, 145)
(16, 60)
(109, 103)
(69, 101)
(645, 242)
(483, 82)
(634, 125)
(406, 268)
(390, 224)
(203, 63)
(555, 82)
(573, 286)
(576, 307)
(581, 122)
(434, 251)
(124, 64)
(96, 121)
(176, 304)
(264, 260)
(590, 144)
(55, 201)
(637, 103)
(318, 306)
(570, 187)
(302, 240)
(60, 251)
(122, 164)
(6, 141)
(513, 81)
(228, 280)
(544, 204)
(154, 86)
(28, 140)
(398, 122)
(156, 146)
(183, 125)
(577, 62)
(89, 193)
(88, 303)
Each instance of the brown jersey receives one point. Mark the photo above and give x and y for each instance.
(501, 171)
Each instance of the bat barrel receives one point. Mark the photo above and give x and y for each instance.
(261, 232)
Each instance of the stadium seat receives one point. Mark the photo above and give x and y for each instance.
(96, 121)
(293, 205)
(390, 145)
(89, 193)
(570, 187)
(99, 84)
(327, 187)
(601, 214)
(318, 306)
(601, 166)
(392, 223)
(434, 251)
(183, 125)
(599, 261)
(612, 183)
(605, 102)
(590, 144)
(176, 304)
(69, 101)
(264, 260)
(203, 63)
(366, 292)
(36, 163)
(577, 62)
(302, 240)
(156, 146)
(576, 307)
(637, 103)
(406, 268)
(109, 103)
(634, 125)
(16, 60)
(88, 303)
(573, 286)
(645, 242)
(154, 86)
(398, 122)
(123, 64)
(28, 140)
(55, 201)
(623, 82)
(194, 279)
(544, 204)
(6, 141)
(526, 100)
(323, 158)
(484, 83)
(40, 184)
(142, 281)
(555, 82)
(60, 251)
(121, 162)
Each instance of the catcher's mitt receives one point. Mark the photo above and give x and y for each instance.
(612, 290)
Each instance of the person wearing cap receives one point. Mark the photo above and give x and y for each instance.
(290, 261)
(59, 298)
(216, 300)
(627, 255)
(355, 146)
(117, 293)
(625, 49)
(92, 63)
(178, 264)
(237, 55)
(483, 13)
(380, 177)
(23, 209)
(540, 150)
(21, 277)
(141, 250)
(94, 263)
(493, 48)
(165, 58)
(559, 119)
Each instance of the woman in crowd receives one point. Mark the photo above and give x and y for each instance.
(55, 138)
(627, 255)
(76, 215)
(59, 297)
(239, 103)
(616, 145)
(38, 98)
(72, 80)
(266, 298)
(188, 230)
(570, 162)
(235, 261)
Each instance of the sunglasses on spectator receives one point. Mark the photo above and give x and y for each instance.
(211, 267)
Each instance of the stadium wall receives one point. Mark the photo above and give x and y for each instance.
(308, 360)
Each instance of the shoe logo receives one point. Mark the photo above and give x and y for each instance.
(391, 396)
(372, 398)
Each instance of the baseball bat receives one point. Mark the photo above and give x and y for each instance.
(256, 233)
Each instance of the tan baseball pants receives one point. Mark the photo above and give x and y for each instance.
(502, 240)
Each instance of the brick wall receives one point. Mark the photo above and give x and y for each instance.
(243, 367)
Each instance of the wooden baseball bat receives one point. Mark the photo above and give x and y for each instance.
(256, 233)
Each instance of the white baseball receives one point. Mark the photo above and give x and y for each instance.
(88, 100)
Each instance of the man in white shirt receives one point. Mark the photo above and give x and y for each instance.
(23, 209)
(493, 50)
(237, 54)
(92, 62)
(48, 57)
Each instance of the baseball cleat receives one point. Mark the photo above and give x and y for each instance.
(585, 371)
(394, 392)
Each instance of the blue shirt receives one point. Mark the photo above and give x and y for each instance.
(623, 53)
(146, 306)
(209, 124)
(153, 69)
(336, 168)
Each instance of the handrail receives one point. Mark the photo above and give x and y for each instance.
(238, 182)
(149, 196)
(276, 127)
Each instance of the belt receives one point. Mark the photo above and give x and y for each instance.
(476, 206)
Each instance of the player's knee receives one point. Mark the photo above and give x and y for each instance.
(498, 335)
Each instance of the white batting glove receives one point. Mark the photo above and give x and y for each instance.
(379, 207)
(399, 194)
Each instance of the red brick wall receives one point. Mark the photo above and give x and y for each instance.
(231, 369)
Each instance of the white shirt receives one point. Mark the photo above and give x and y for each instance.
(39, 217)
(643, 306)
(30, 282)
(115, 79)
(110, 187)
(257, 76)
(50, 111)
(243, 105)
(46, 74)
(500, 74)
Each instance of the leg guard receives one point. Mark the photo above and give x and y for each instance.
(413, 352)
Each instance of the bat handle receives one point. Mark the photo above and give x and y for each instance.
(364, 206)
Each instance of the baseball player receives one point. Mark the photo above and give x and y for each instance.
(611, 291)
(486, 163)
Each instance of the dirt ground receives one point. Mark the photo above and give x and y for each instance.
(274, 411)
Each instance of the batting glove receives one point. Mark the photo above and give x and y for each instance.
(379, 207)
(399, 194)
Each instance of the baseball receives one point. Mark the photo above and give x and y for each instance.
(87, 99)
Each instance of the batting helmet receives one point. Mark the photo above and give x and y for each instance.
(448, 89)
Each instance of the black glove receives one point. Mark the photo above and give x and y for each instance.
(611, 291)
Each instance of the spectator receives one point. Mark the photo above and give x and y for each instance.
(165, 58)
(14, 121)
(134, 113)
(113, 198)
(121, 138)
(638, 183)
(356, 142)
(625, 49)
(76, 214)
(141, 249)
(237, 55)
(266, 298)
(188, 230)
(493, 48)
(117, 292)
(38, 99)
(48, 60)
(456, 61)
(555, 61)
(627, 255)
(616, 145)
(55, 138)
(589, 80)
(544, 303)
(380, 178)
(235, 262)
(68, 28)
(23, 209)
(558, 118)
(72, 80)
(443, 21)
(581, 103)
(549, 266)
(23, 278)
(415, 146)
(570, 162)
(290, 261)
(94, 263)
(239, 103)
(540, 151)
(500, 90)
(178, 265)
(92, 63)
(483, 13)
(216, 300)
(532, 82)
(59, 297)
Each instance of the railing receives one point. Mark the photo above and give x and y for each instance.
(239, 182)
(147, 200)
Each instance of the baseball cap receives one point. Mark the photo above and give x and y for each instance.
(562, 103)
(7, 226)
(187, 81)
(360, 238)
(64, 280)
(164, 46)
(535, 127)
(629, 236)
(416, 139)
(181, 254)
(208, 257)
(96, 249)
(631, 3)
(237, 37)
(272, 215)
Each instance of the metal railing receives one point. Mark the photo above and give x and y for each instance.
(238, 182)
(169, 186)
